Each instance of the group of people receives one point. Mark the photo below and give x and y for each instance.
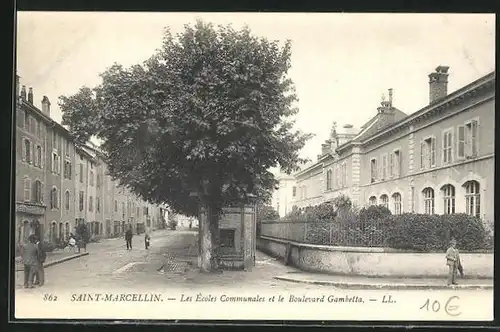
(33, 255)
(129, 235)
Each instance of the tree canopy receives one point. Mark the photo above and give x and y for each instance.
(210, 113)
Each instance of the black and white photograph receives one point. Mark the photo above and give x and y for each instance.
(253, 166)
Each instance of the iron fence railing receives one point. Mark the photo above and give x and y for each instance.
(332, 233)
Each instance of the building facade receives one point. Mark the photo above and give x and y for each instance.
(439, 159)
(60, 184)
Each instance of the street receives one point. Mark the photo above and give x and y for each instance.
(167, 272)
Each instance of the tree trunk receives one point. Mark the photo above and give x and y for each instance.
(208, 237)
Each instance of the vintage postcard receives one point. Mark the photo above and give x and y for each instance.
(254, 166)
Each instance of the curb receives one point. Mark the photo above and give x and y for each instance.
(353, 285)
(58, 261)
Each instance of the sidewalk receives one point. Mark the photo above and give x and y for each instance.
(53, 257)
(360, 282)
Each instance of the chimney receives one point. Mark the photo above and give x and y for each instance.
(46, 106)
(23, 92)
(390, 97)
(325, 148)
(438, 84)
(30, 96)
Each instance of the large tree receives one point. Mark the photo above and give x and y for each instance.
(200, 123)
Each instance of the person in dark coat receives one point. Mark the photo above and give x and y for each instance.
(147, 238)
(39, 274)
(128, 237)
(30, 261)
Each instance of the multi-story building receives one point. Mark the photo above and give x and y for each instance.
(284, 195)
(439, 159)
(60, 184)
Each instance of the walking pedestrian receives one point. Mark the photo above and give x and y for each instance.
(39, 274)
(146, 240)
(30, 261)
(128, 237)
(453, 262)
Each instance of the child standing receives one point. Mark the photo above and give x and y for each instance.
(453, 262)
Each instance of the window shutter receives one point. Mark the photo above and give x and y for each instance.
(42, 192)
(474, 131)
(422, 157)
(433, 151)
(461, 142)
(398, 163)
(23, 143)
(27, 190)
(42, 164)
(443, 147)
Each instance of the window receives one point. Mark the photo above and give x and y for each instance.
(38, 128)
(428, 153)
(227, 238)
(294, 191)
(66, 231)
(27, 189)
(54, 140)
(123, 209)
(67, 169)
(98, 181)
(54, 162)
(26, 121)
(27, 151)
(448, 198)
(145, 210)
(66, 200)
(137, 212)
(471, 138)
(472, 198)
(61, 230)
(395, 164)
(396, 197)
(81, 200)
(329, 180)
(428, 200)
(373, 200)
(461, 142)
(66, 150)
(116, 206)
(81, 173)
(97, 204)
(38, 156)
(33, 126)
(344, 175)
(54, 204)
(373, 170)
(37, 191)
(384, 168)
(91, 203)
(91, 178)
(384, 201)
(447, 146)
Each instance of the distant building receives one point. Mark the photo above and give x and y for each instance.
(60, 184)
(439, 159)
(285, 194)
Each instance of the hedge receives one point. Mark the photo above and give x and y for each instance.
(422, 232)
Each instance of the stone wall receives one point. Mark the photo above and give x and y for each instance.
(375, 262)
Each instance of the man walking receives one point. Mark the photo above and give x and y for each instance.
(40, 270)
(146, 240)
(128, 237)
(30, 261)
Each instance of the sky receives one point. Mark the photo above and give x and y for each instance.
(341, 63)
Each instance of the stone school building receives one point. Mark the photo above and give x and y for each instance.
(439, 159)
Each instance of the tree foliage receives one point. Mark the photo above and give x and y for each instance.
(210, 112)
